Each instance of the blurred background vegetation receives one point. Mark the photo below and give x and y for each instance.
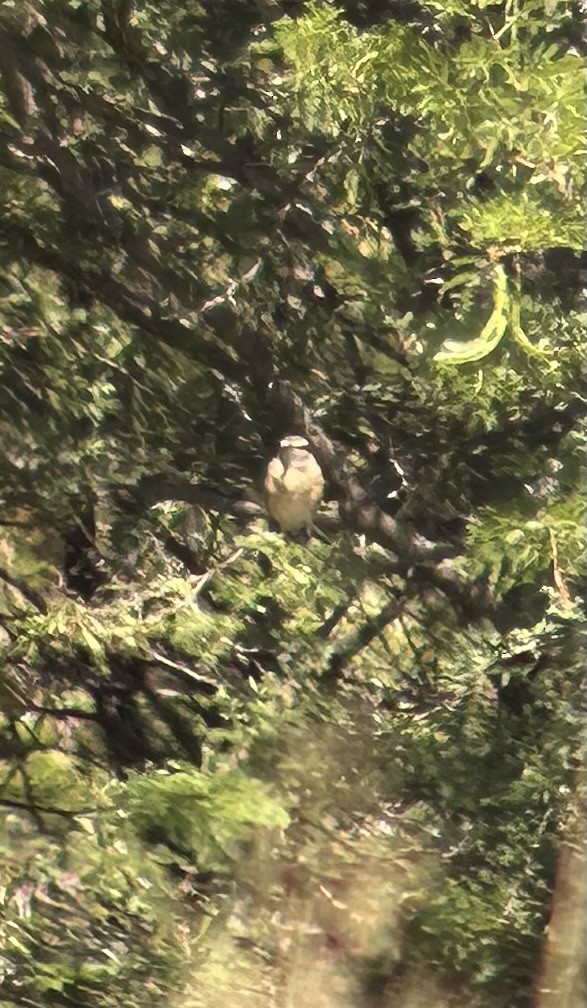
(238, 771)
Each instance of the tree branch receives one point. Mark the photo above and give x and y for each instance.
(135, 308)
(33, 807)
(367, 633)
(30, 594)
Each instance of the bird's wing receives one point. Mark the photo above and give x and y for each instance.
(274, 476)
(305, 478)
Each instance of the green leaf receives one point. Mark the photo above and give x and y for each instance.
(491, 334)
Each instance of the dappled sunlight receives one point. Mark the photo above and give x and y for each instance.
(314, 747)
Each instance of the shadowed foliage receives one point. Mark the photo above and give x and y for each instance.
(238, 769)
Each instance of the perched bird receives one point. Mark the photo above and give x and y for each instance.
(294, 485)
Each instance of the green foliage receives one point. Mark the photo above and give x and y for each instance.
(236, 768)
(524, 544)
(209, 816)
(524, 221)
(82, 888)
(491, 334)
(508, 105)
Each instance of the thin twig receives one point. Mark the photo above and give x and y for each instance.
(32, 807)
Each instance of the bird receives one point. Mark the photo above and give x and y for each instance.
(294, 485)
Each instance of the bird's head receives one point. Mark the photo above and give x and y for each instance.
(293, 447)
